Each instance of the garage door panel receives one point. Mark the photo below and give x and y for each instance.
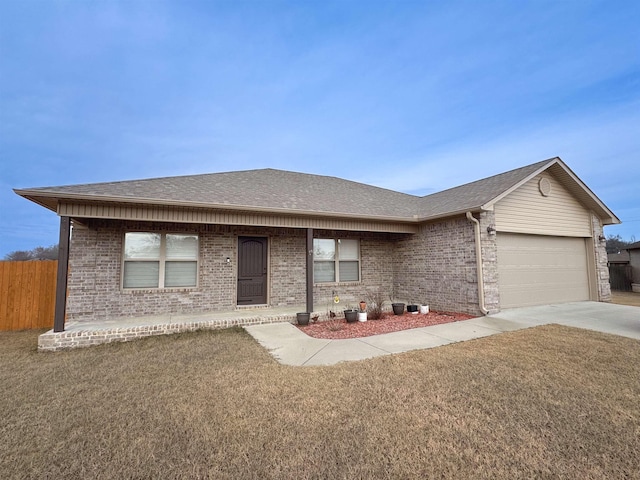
(536, 269)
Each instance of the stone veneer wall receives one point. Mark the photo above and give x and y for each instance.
(489, 262)
(438, 266)
(95, 263)
(602, 268)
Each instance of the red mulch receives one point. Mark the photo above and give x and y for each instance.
(338, 328)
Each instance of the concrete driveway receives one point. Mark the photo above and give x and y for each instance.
(603, 317)
(291, 346)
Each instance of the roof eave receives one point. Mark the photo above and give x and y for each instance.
(454, 213)
(43, 201)
(606, 215)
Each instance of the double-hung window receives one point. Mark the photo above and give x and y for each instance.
(336, 260)
(160, 260)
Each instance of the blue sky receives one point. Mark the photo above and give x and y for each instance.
(412, 96)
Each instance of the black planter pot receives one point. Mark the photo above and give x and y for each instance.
(412, 308)
(398, 308)
(303, 318)
(351, 315)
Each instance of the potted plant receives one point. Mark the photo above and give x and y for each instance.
(424, 308)
(362, 316)
(398, 308)
(363, 306)
(351, 314)
(303, 318)
(412, 308)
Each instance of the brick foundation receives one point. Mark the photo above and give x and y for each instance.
(79, 337)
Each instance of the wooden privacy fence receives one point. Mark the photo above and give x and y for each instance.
(27, 294)
(620, 277)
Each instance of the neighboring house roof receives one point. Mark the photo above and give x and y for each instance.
(634, 246)
(278, 191)
(621, 257)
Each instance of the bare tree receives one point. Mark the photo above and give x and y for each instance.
(38, 253)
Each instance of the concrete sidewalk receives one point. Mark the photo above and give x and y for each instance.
(290, 346)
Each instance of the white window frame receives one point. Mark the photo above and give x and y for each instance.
(162, 261)
(336, 261)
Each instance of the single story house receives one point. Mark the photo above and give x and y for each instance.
(222, 241)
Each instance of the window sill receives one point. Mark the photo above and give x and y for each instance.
(338, 284)
(133, 291)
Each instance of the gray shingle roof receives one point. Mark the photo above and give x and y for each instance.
(270, 190)
(266, 189)
(472, 196)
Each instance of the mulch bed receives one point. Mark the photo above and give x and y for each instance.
(338, 328)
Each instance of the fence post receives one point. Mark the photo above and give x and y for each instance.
(63, 269)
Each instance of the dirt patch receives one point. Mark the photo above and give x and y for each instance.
(338, 328)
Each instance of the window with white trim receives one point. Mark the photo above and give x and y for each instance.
(160, 260)
(336, 260)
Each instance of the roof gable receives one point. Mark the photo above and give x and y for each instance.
(484, 194)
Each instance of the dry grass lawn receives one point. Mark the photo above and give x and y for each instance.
(626, 298)
(549, 402)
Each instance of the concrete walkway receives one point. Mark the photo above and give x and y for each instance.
(290, 346)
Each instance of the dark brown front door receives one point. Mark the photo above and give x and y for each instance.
(252, 270)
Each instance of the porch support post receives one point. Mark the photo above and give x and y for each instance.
(63, 270)
(309, 270)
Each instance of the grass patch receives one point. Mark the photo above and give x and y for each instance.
(546, 402)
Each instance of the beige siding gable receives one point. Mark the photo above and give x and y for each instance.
(527, 210)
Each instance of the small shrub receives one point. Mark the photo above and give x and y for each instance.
(375, 300)
(335, 324)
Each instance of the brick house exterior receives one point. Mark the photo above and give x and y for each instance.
(413, 249)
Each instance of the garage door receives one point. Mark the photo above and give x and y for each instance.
(537, 269)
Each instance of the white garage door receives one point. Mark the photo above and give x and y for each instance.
(537, 270)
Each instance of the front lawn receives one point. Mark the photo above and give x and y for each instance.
(548, 402)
